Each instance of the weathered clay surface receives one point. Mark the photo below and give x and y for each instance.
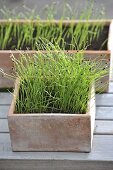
(51, 132)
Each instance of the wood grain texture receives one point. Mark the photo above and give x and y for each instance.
(5, 98)
(4, 111)
(103, 127)
(5, 143)
(111, 87)
(104, 113)
(104, 100)
(4, 126)
(55, 165)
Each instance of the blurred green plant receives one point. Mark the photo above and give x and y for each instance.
(15, 35)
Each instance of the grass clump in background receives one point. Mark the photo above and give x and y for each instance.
(70, 37)
(54, 82)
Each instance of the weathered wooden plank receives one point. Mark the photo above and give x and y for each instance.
(104, 113)
(5, 98)
(103, 127)
(111, 87)
(104, 100)
(4, 111)
(4, 126)
(55, 165)
(102, 151)
(5, 143)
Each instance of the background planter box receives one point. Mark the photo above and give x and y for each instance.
(52, 132)
(96, 44)
(91, 53)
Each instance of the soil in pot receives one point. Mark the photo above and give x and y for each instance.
(70, 36)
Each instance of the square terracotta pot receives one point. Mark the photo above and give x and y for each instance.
(51, 131)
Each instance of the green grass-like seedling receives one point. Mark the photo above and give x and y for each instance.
(54, 82)
(26, 35)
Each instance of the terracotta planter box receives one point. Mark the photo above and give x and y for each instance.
(51, 131)
(92, 53)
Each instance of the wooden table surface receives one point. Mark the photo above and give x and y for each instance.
(100, 158)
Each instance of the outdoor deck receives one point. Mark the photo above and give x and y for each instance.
(101, 157)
